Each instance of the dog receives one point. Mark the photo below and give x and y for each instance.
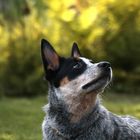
(74, 111)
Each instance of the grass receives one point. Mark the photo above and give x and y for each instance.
(21, 118)
(122, 104)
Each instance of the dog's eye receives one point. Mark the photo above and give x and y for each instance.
(78, 65)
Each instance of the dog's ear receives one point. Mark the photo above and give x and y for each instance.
(49, 56)
(75, 50)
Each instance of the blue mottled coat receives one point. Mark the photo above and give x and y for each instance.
(100, 124)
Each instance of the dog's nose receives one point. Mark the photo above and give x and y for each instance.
(104, 64)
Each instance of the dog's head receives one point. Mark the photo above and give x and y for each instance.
(76, 76)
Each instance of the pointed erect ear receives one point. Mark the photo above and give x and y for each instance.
(75, 51)
(49, 56)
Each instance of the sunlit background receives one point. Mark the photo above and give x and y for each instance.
(104, 30)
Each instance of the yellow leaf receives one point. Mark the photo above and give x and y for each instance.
(68, 15)
(87, 17)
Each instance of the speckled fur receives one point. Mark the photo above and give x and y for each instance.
(74, 111)
(100, 124)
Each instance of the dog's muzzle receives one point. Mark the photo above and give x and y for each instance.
(104, 76)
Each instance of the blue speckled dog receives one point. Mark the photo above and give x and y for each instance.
(74, 111)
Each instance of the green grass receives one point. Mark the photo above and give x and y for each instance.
(122, 104)
(21, 118)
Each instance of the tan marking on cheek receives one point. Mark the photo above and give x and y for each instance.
(64, 81)
(81, 107)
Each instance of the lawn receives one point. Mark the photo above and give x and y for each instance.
(20, 118)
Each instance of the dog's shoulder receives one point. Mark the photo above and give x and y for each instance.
(125, 127)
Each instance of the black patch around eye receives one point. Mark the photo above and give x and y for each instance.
(77, 71)
(67, 70)
(78, 65)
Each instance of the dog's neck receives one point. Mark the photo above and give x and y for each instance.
(60, 118)
(58, 121)
(81, 106)
(77, 106)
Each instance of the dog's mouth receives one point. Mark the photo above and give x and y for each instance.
(99, 83)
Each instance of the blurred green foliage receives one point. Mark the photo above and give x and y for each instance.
(104, 29)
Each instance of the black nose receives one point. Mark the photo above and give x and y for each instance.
(104, 64)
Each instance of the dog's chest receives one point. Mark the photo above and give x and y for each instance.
(108, 128)
(92, 133)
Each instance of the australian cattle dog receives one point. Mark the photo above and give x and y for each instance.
(74, 111)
